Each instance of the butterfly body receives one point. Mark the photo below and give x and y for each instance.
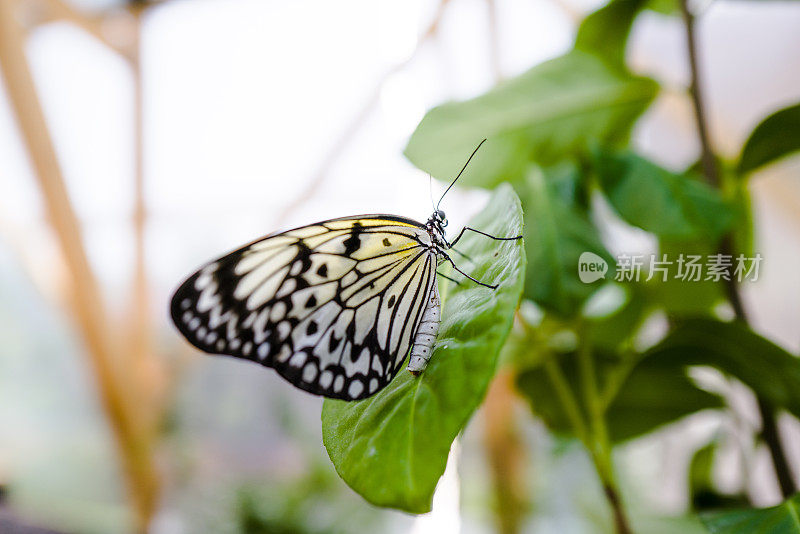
(426, 334)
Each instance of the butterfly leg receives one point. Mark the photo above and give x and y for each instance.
(468, 258)
(468, 276)
(456, 282)
(461, 233)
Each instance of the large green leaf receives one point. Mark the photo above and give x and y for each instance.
(777, 136)
(546, 115)
(392, 448)
(559, 233)
(672, 206)
(605, 31)
(781, 519)
(771, 372)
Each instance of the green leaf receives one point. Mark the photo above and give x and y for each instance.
(665, 7)
(702, 490)
(392, 448)
(777, 136)
(559, 233)
(535, 386)
(545, 115)
(771, 372)
(683, 297)
(605, 31)
(611, 331)
(737, 192)
(672, 206)
(781, 519)
(655, 393)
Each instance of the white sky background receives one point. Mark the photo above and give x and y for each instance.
(244, 98)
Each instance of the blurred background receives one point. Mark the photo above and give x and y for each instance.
(139, 140)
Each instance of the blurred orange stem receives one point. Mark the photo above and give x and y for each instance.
(89, 314)
(506, 454)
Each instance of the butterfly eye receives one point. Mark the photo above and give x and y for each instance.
(444, 223)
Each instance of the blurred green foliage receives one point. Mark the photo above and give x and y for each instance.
(311, 504)
(559, 134)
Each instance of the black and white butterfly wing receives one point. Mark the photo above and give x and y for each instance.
(332, 306)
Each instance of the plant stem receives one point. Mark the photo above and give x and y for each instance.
(711, 171)
(566, 398)
(601, 445)
(595, 439)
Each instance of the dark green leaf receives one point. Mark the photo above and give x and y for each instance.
(392, 448)
(669, 205)
(781, 519)
(655, 393)
(558, 233)
(610, 331)
(535, 386)
(605, 31)
(681, 294)
(545, 115)
(771, 372)
(777, 136)
(702, 489)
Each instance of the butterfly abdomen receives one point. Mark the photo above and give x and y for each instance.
(426, 333)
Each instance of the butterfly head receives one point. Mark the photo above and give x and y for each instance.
(436, 224)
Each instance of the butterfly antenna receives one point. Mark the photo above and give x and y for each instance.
(430, 190)
(460, 173)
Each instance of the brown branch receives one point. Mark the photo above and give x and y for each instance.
(711, 171)
(149, 370)
(620, 520)
(46, 11)
(88, 309)
(349, 133)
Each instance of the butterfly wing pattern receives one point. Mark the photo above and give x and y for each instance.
(332, 306)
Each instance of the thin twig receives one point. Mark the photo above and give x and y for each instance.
(711, 171)
(88, 309)
(349, 133)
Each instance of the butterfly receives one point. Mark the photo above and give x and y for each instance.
(334, 307)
